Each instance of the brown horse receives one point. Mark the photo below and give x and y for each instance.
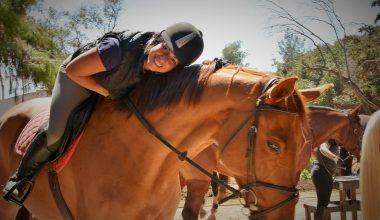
(121, 171)
(345, 127)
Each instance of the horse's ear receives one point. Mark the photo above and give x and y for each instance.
(314, 93)
(282, 89)
(356, 110)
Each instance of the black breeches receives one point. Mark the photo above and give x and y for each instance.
(323, 182)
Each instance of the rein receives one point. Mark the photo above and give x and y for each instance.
(182, 155)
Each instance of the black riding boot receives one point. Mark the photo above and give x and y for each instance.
(21, 183)
(321, 213)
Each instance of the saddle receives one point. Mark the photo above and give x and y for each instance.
(69, 140)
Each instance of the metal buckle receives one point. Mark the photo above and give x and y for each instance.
(27, 186)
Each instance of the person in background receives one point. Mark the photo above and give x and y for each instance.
(322, 172)
(346, 166)
(108, 66)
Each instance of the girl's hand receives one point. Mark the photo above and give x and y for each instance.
(336, 159)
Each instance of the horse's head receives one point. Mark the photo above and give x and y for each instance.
(354, 134)
(256, 119)
(263, 149)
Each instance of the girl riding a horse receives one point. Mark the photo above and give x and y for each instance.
(107, 66)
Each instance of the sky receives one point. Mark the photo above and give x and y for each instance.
(225, 21)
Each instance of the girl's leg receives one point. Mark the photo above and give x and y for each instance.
(66, 96)
(323, 185)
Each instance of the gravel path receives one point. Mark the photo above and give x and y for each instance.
(231, 210)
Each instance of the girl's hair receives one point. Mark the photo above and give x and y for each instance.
(156, 39)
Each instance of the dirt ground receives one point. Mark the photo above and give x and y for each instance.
(232, 210)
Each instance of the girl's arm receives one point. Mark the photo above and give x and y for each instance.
(325, 151)
(82, 67)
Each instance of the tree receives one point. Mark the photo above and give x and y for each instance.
(333, 58)
(36, 47)
(291, 47)
(365, 54)
(376, 3)
(233, 54)
(29, 56)
(102, 18)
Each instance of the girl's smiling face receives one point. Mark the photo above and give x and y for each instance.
(160, 59)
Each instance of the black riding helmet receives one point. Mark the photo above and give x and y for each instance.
(184, 41)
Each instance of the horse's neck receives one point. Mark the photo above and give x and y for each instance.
(326, 125)
(233, 87)
(189, 128)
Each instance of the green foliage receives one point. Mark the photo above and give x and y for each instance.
(29, 52)
(365, 53)
(34, 49)
(306, 173)
(363, 57)
(291, 47)
(233, 54)
(101, 18)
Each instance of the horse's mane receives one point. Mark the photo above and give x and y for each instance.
(165, 90)
(249, 70)
(187, 84)
(356, 119)
(318, 107)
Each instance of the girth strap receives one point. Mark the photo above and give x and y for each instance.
(57, 195)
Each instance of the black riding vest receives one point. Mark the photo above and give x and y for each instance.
(325, 161)
(128, 72)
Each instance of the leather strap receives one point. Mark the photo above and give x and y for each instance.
(182, 155)
(57, 194)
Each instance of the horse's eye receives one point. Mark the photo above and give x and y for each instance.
(274, 147)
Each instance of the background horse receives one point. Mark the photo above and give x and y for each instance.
(370, 169)
(346, 127)
(121, 171)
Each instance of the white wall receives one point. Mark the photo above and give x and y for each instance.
(8, 103)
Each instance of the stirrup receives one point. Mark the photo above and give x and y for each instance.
(28, 185)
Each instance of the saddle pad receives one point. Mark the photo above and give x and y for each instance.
(31, 129)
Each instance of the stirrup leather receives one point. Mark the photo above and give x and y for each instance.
(27, 186)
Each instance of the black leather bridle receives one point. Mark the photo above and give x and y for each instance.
(260, 106)
(250, 155)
